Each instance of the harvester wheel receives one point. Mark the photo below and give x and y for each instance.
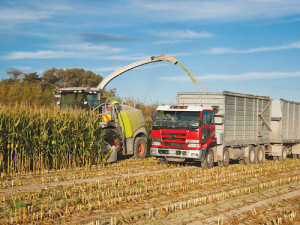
(209, 160)
(140, 147)
(113, 138)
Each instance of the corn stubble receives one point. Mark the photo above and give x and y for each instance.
(126, 196)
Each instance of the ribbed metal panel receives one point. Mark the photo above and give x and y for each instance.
(290, 121)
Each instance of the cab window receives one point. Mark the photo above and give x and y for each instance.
(207, 118)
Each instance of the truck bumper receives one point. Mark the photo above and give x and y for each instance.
(176, 153)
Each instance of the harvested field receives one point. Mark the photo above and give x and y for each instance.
(143, 192)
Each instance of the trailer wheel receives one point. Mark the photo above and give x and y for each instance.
(252, 155)
(260, 154)
(209, 160)
(283, 154)
(225, 158)
(140, 147)
(112, 137)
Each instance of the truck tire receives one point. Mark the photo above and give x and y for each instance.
(283, 154)
(140, 148)
(225, 158)
(252, 155)
(209, 160)
(112, 137)
(260, 154)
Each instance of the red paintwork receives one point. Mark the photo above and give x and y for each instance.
(183, 134)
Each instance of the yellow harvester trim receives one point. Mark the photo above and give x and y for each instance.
(132, 120)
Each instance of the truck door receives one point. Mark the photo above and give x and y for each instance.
(207, 126)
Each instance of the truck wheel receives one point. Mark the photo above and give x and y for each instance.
(260, 155)
(225, 158)
(252, 155)
(112, 137)
(209, 160)
(283, 154)
(140, 147)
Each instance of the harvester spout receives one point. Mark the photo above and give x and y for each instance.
(131, 66)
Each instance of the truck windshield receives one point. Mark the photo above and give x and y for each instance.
(177, 118)
(76, 100)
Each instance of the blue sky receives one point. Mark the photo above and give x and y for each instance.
(249, 46)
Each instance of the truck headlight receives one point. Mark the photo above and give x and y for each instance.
(155, 143)
(194, 145)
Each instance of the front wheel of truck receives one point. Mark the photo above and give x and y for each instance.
(209, 160)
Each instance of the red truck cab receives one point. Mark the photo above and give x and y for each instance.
(182, 133)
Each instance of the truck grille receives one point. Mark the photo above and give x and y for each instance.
(178, 138)
(173, 144)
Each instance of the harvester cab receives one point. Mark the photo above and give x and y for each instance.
(77, 98)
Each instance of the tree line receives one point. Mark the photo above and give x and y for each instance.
(32, 89)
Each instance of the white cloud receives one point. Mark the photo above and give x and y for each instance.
(104, 49)
(185, 34)
(66, 51)
(180, 36)
(219, 51)
(244, 76)
(27, 11)
(215, 10)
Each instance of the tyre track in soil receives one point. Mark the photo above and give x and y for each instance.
(39, 187)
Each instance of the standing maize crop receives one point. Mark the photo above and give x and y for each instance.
(33, 139)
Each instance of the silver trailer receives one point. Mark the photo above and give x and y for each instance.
(242, 124)
(285, 125)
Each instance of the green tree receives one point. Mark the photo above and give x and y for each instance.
(91, 79)
(50, 76)
(14, 73)
(32, 78)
